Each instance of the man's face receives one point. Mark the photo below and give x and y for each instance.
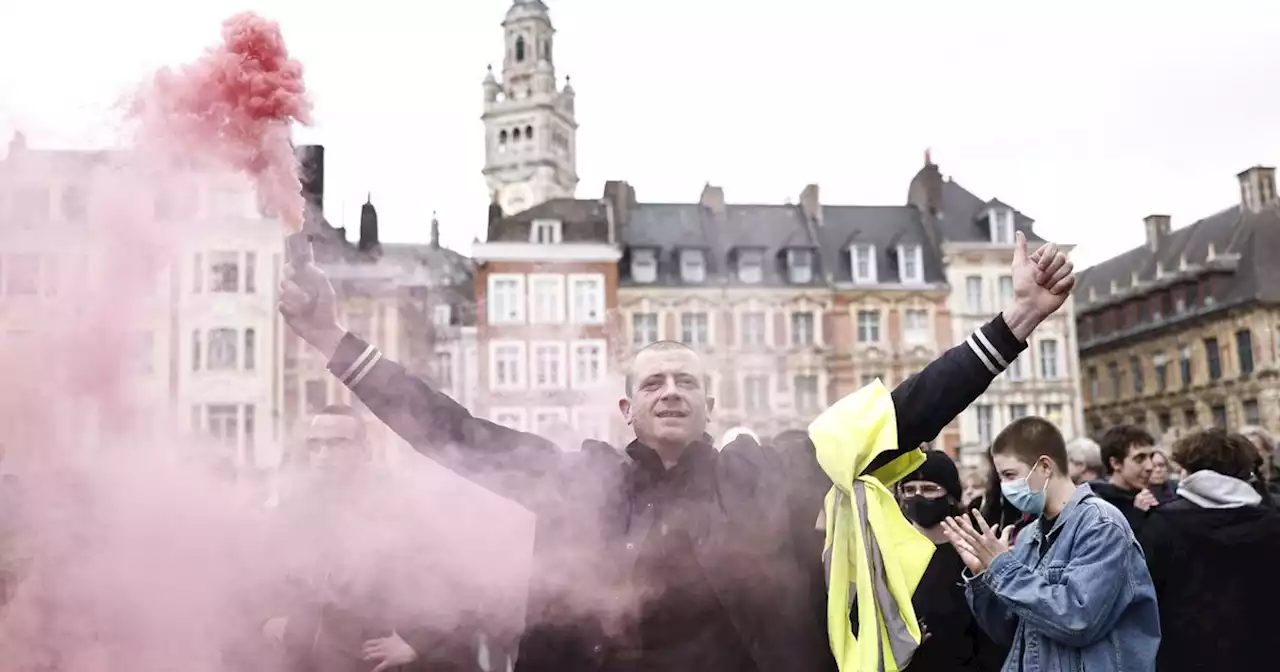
(333, 443)
(1076, 469)
(669, 404)
(1135, 471)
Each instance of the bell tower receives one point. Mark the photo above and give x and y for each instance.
(530, 130)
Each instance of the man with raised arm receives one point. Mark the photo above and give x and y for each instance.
(665, 555)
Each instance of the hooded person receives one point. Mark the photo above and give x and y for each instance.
(1212, 552)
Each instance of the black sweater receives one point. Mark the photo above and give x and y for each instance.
(955, 642)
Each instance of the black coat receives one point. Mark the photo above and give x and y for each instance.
(592, 521)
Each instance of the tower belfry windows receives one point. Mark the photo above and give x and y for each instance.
(519, 50)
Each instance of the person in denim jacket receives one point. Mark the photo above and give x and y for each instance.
(1073, 593)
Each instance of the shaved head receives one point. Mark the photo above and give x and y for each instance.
(656, 346)
(666, 400)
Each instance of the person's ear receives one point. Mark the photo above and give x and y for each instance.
(624, 406)
(711, 404)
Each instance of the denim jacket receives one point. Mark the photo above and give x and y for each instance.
(1088, 604)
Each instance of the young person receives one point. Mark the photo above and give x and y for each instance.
(1074, 592)
(1212, 553)
(954, 641)
(1126, 455)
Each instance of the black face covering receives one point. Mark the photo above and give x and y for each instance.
(926, 512)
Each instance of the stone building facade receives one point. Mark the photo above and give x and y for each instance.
(1182, 331)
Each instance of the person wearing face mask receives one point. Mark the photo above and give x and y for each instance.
(1074, 592)
(954, 642)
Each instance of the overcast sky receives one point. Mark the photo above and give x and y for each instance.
(1086, 119)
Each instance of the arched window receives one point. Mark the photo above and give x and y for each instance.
(528, 132)
(502, 137)
(519, 50)
(515, 135)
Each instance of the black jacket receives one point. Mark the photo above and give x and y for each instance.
(1214, 575)
(590, 527)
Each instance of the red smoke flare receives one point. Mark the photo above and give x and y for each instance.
(237, 102)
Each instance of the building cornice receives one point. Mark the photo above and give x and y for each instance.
(536, 253)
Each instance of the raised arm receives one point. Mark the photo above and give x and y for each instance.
(511, 463)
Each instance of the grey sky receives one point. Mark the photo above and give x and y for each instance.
(1086, 119)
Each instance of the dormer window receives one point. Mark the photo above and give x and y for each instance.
(1001, 222)
(644, 265)
(750, 266)
(545, 231)
(800, 266)
(693, 266)
(863, 261)
(911, 263)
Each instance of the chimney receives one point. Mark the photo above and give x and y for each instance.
(619, 201)
(1158, 228)
(1257, 188)
(435, 230)
(368, 226)
(17, 144)
(713, 199)
(811, 205)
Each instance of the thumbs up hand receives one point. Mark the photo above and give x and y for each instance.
(1042, 280)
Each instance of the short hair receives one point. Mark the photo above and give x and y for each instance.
(1117, 441)
(1028, 438)
(350, 412)
(1085, 451)
(1214, 449)
(656, 346)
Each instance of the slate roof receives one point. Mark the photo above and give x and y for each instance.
(958, 212)
(885, 227)
(582, 221)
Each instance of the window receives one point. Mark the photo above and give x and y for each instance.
(1113, 372)
(222, 349)
(806, 393)
(1219, 416)
(22, 275)
(644, 265)
(644, 329)
(591, 423)
(546, 298)
(550, 421)
(1211, 358)
(973, 293)
(250, 349)
(1014, 372)
(1162, 374)
(868, 326)
(1053, 413)
(985, 423)
(443, 369)
(802, 329)
(75, 204)
(1049, 359)
(1017, 411)
(220, 419)
(755, 393)
(195, 351)
(546, 231)
(1001, 226)
(1006, 290)
(750, 266)
(548, 366)
(863, 261)
(505, 299)
(693, 329)
(315, 396)
(1189, 418)
(515, 418)
(1251, 414)
(1244, 351)
(143, 353)
(588, 298)
(197, 274)
(250, 430)
(800, 266)
(250, 279)
(224, 272)
(753, 327)
(1165, 420)
(911, 263)
(1092, 376)
(442, 315)
(519, 50)
(693, 266)
(916, 327)
(588, 363)
(1135, 375)
(507, 371)
(1184, 366)
(31, 206)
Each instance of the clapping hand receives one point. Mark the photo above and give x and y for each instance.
(389, 652)
(978, 547)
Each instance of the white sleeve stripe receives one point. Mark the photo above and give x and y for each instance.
(977, 350)
(377, 356)
(355, 366)
(991, 349)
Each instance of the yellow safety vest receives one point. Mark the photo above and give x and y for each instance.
(871, 549)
